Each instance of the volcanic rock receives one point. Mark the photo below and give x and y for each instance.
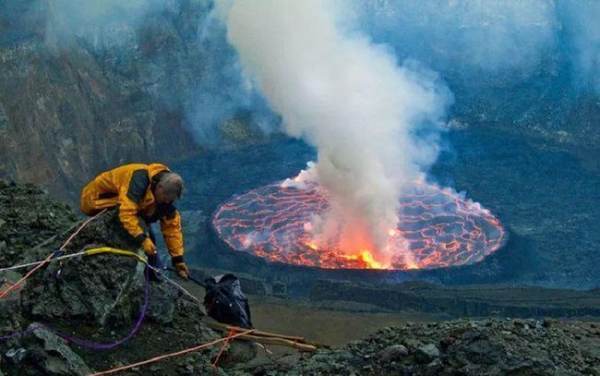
(238, 352)
(491, 347)
(427, 353)
(65, 108)
(392, 353)
(28, 218)
(10, 307)
(49, 354)
(96, 298)
(99, 287)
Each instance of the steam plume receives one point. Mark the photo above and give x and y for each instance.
(350, 99)
(581, 20)
(494, 36)
(515, 39)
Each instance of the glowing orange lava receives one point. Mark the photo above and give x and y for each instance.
(367, 258)
(438, 228)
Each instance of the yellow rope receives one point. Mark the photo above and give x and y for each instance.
(116, 251)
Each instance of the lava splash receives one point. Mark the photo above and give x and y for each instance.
(438, 228)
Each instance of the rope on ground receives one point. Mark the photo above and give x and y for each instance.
(225, 343)
(48, 258)
(24, 278)
(60, 258)
(170, 355)
(115, 251)
(87, 252)
(111, 345)
(84, 342)
(85, 223)
(177, 285)
(226, 327)
(93, 251)
(261, 337)
(19, 333)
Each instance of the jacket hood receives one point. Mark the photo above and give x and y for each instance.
(155, 168)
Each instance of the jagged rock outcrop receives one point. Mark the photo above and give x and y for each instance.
(101, 288)
(98, 298)
(489, 347)
(27, 218)
(50, 354)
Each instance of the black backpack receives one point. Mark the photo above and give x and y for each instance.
(225, 301)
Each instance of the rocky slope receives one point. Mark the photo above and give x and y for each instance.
(69, 109)
(488, 347)
(98, 298)
(73, 103)
(27, 218)
(84, 89)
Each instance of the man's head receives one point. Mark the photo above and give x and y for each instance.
(169, 188)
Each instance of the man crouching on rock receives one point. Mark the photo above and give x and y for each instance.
(145, 192)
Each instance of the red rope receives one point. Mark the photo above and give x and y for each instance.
(170, 355)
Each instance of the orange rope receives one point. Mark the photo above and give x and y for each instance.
(229, 336)
(29, 273)
(170, 355)
(24, 278)
(79, 229)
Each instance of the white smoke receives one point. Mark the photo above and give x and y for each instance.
(490, 35)
(514, 39)
(581, 20)
(107, 23)
(348, 97)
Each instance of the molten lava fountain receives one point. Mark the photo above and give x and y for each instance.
(438, 228)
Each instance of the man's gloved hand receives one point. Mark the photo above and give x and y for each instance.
(149, 247)
(182, 270)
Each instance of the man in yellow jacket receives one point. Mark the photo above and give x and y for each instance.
(141, 192)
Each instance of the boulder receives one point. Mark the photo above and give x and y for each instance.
(46, 353)
(161, 305)
(427, 353)
(392, 353)
(105, 289)
(101, 288)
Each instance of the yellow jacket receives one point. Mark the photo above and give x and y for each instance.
(130, 188)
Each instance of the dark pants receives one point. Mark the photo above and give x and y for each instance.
(154, 259)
